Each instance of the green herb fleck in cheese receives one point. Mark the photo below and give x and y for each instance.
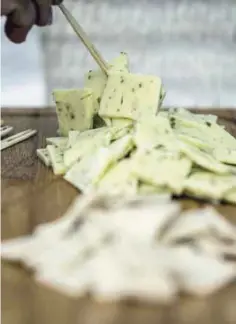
(75, 109)
(56, 158)
(131, 96)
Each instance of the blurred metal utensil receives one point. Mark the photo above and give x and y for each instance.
(84, 38)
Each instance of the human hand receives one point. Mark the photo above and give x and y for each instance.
(22, 15)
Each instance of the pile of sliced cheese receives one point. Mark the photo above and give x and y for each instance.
(141, 247)
(117, 140)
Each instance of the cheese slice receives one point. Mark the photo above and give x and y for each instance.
(56, 157)
(120, 63)
(88, 172)
(84, 173)
(225, 155)
(72, 138)
(118, 180)
(204, 132)
(218, 136)
(120, 148)
(91, 140)
(96, 80)
(118, 132)
(74, 109)
(131, 96)
(150, 132)
(189, 119)
(162, 168)
(194, 136)
(230, 196)
(85, 145)
(60, 142)
(203, 158)
(43, 155)
(209, 185)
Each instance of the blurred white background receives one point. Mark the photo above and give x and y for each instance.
(191, 44)
(22, 73)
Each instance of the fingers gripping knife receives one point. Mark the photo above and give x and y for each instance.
(83, 37)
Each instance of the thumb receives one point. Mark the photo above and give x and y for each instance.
(15, 33)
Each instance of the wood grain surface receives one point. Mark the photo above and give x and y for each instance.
(31, 195)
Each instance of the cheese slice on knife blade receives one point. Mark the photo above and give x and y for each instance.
(74, 109)
(131, 96)
(96, 80)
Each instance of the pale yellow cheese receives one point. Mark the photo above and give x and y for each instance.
(226, 155)
(203, 159)
(148, 189)
(230, 196)
(73, 136)
(85, 173)
(150, 132)
(209, 185)
(60, 142)
(118, 180)
(120, 122)
(87, 142)
(131, 96)
(161, 168)
(56, 158)
(96, 80)
(43, 155)
(75, 109)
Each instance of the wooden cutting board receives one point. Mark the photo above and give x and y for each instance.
(31, 195)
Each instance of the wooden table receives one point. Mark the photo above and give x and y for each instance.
(31, 194)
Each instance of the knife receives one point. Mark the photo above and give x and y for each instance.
(82, 36)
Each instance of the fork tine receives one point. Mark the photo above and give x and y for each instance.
(12, 140)
(5, 130)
